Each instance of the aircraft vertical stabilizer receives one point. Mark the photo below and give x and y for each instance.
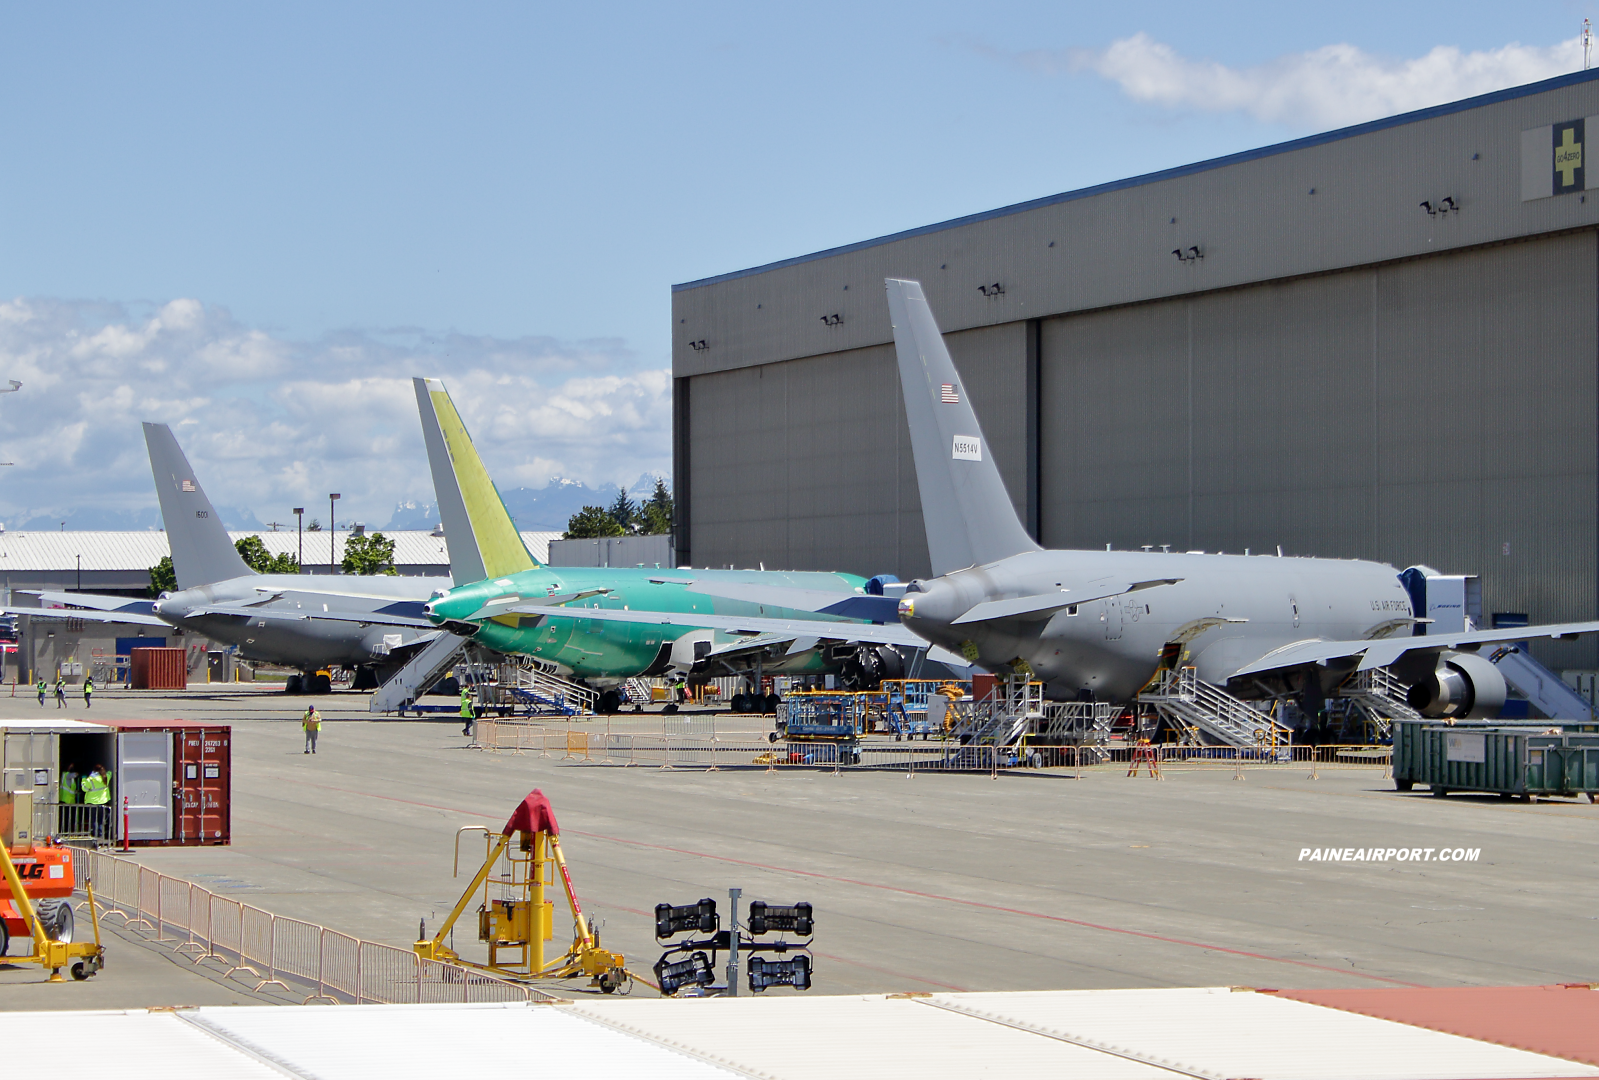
(967, 512)
(478, 530)
(202, 554)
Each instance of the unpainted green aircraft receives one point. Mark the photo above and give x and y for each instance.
(655, 621)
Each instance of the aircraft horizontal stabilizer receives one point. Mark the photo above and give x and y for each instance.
(498, 606)
(1381, 652)
(1041, 605)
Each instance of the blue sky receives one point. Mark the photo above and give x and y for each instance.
(504, 194)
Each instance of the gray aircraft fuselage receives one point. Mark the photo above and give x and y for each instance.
(278, 635)
(1111, 646)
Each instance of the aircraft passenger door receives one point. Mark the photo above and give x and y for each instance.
(1110, 613)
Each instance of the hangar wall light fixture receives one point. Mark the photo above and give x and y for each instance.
(698, 346)
(992, 291)
(1443, 206)
(1193, 254)
(834, 319)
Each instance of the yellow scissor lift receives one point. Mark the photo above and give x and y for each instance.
(514, 918)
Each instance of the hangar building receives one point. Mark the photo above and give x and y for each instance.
(1379, 342)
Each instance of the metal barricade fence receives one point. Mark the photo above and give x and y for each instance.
(331, 966)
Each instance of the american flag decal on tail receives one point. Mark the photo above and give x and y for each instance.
(187, 485)
(948, 395)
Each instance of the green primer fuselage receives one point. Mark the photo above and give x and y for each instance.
(608, 652)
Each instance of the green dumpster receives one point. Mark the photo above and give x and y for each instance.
(1541, 757)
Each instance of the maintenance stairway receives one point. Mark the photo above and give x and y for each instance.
(525, 682)
(420, 672)
(1203, 712)
(999, 720)
(1380, 698)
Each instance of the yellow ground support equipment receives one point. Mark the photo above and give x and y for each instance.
(83, 957)
(514, 918)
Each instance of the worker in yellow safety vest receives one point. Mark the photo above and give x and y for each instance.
(467, 715)
(312, 723)
(71, 786)
(88, 691)
(43, 689)
(97, 787)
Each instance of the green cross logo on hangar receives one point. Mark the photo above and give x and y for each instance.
(1568, 140)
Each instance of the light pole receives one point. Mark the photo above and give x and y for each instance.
(299, 527)
(333, 532)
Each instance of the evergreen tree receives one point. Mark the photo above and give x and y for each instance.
(591, 522)
(623, 511)
(656, 515)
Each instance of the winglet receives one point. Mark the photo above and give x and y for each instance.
(966, 510)
(202, 554)
(478, 530)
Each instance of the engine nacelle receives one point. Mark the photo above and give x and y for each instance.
(1464, 686)
(691, 649)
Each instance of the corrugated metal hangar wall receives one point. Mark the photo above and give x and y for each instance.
(1341, 372)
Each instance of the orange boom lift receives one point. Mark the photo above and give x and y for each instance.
(36, 885)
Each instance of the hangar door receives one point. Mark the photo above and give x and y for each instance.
(144, 779)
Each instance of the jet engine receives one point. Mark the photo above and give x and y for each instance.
(1463, 686)
(870, 665)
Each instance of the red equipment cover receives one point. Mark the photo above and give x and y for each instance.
(534, 815)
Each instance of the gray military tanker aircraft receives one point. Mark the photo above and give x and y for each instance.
(1095, 624)
(266, 616)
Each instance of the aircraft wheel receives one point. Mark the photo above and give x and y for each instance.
(294, 684)
(670, 710)
(771, 703)
(321, 684)
(610, 701)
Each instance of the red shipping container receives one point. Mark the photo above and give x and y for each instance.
(203, 781)
(160, 669)
(177, 778)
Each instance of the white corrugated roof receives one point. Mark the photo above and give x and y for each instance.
(1207, 1034)
(832, 1037)
(1217, 1032)
(131, 1045)
(122, 551)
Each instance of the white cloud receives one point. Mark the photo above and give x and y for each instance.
(1331, 86)
(271, 424)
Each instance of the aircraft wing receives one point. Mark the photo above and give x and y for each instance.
(799, 644)
(87, 615)
(1380, 652)
(364, 618)
(93, 601)
(845, 605)
(814, 629)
